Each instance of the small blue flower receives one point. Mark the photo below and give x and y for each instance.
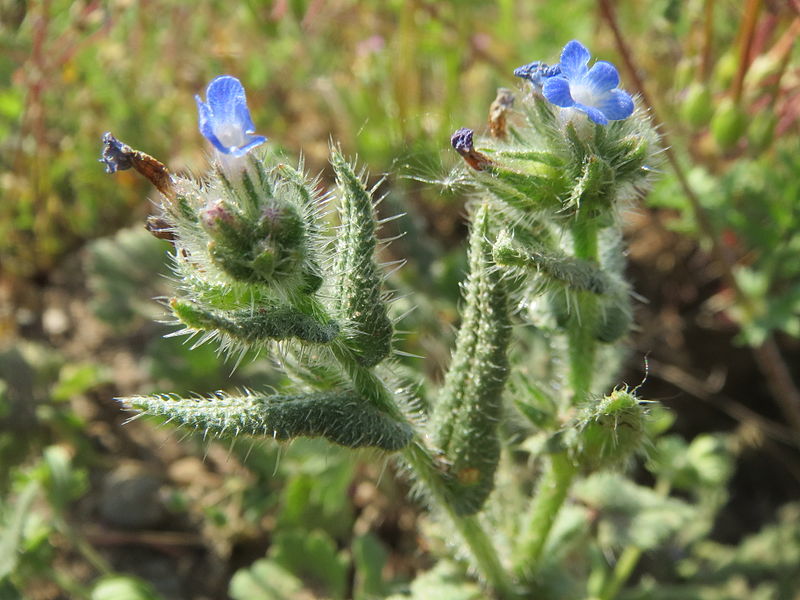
(593, 91)
(536, 72)
(225, 120)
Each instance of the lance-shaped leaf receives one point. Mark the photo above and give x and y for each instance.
(467, 413)
(358, 288)
(341, 417)
(260, 324)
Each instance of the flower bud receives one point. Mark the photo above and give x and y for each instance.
(728, 124)
(761, 131)
(697, 108)
(607, 431)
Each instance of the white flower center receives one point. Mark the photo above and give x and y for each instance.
(583, 94)
(230, 134)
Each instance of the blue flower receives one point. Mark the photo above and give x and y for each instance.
(593, 91)
(536, 72)
(225, 120)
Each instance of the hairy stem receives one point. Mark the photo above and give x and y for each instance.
(550, 496)
(480, 546)
(418, 457)
(582, 324)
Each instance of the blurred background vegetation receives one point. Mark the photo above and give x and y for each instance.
(91, 507)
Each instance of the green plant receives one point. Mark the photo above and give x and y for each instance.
(261, 267)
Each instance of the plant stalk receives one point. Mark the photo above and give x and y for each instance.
(550, 496)
(418, 457)
(469, 527)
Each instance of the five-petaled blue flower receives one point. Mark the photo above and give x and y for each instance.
(225, 120)
(593, 91)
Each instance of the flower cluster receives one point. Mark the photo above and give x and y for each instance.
(572, 84)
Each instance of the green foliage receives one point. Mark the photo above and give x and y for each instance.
(341, 417)
(361, 303)
(119, 587)
(390, 80)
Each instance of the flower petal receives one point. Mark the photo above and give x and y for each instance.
(206, 122)
(616, 105)
(226, 99)
(603, 76)
(574, 58)
(593, 113)
(252, 142)
(556, 90)
(225, 120)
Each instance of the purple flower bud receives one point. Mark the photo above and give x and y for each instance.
(214, 215)
(462, 140)
(116, 155)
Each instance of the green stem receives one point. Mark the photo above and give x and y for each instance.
(83, 546)
(469, 527)
(629, 558)
(556, 480)
(552, 492)
(581, 334)
(422, 463)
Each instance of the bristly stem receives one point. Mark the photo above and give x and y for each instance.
(581, 334)
(558, 476)
(480, 545)
(550, 496)
(483, 552)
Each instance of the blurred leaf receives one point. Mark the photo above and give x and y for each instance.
(62, 482)
(632, 514)
(265, 580)
(122, 587)
(75, 379)
(312, 557)
(705, 463)
(445, 581)
(369, 557)
(13, 529)
(123, 272)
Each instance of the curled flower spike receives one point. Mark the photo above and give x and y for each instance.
(225, 120)
(593, 91)
(462, 142)
(118, 156)
(536, 72)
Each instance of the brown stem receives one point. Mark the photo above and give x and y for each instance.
(779, 380)
(745, 42)
(708, 39)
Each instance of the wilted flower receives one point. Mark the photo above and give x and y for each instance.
(592, 90)
(225, 120)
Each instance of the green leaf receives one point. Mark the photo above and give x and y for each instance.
(313, 558)
(369, 557)
(122, 587)
(265, 580)
(632, 514)
(76, 379)
(445, 582)
(13, 529)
